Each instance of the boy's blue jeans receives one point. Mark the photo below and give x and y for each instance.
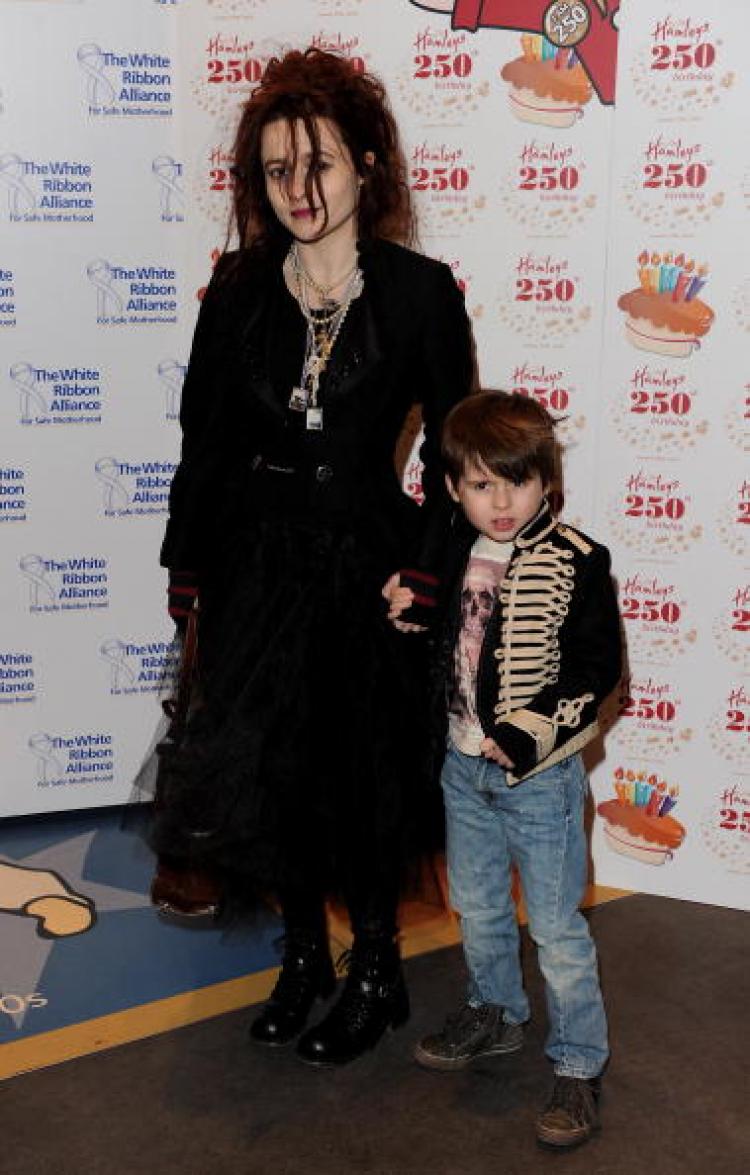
(538, 824)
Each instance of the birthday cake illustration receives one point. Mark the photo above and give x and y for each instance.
(665, 314)
(637, 823)
(548, 85)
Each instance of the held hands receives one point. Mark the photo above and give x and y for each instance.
(491, 750)
(399, 599)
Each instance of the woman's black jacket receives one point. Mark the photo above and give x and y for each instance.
(409, 343)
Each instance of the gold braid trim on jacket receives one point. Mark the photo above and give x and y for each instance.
(534, 601)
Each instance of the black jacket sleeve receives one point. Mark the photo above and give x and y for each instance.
(590, 667)
(446, 375)
(199, 409)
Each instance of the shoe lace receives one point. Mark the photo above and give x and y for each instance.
(294, 981)
(354, 1008)
(462, 1021)
(573, 1096)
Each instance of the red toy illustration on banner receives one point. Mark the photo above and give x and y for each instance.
(585, 26)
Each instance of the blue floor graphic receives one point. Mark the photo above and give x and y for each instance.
(79, 938)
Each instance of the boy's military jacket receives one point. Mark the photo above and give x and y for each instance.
(552, 647)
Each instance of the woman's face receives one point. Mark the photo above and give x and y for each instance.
(285, 181)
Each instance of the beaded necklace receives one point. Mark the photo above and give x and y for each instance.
(323, 328)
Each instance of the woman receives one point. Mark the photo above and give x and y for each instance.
(300, 772)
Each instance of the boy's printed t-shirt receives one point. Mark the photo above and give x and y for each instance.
(485, 571)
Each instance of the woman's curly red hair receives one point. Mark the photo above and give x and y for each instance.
(302, 87)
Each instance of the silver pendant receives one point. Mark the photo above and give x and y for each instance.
(314, 419)
(298, 400)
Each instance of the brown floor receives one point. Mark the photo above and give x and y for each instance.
(202, 1101)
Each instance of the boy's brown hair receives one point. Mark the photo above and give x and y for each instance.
(513, 436)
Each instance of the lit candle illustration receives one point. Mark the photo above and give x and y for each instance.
(697, 283)
(572, 59)
(643, 270)
(653, 273)
(683, 281)
(548, 50)
(620, 786)
(669, 801)
(630, 787)
(665, 273)
(676, 270)
(657, 795)
(527, 44)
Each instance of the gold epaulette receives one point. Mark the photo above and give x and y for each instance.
(575, 538)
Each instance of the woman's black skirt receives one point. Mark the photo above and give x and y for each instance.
(305, 762)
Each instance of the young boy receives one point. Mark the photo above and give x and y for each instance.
(531, 647)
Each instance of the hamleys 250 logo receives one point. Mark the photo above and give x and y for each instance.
(546, 189)
(440, 80)
(213, 181)
(553, 388)
(442, 178)
(737, 418)
(658, 411)
(725, 827)
(673, 176)
(657, 617)
(731, 628)
(230, 68)
(654, 514)
(682, 70)
(649, 717)
(729, 727)
(542, 300)
(733, 523)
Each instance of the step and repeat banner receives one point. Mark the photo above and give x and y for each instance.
(603, 252)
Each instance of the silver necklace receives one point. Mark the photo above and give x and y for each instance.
(322, 333)
(302, 276)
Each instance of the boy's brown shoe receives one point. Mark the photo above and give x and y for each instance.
(571, 1115)
(468, 1034)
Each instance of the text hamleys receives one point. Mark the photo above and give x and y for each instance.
(429, 39)
(671, 29)
(442, 154)
(639, 481)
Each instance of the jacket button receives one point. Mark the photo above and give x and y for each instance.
(323, 473)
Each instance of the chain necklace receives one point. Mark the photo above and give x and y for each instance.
(323, 328)
(301, 275)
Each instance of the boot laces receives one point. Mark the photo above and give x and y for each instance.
(465, 1020)
(363, 989)
(574, 1097)
(294, 980)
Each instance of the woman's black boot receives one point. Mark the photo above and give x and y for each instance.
(306, 974)
(374, 998)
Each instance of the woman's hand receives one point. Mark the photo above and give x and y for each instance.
(399, 599)
(491, 750)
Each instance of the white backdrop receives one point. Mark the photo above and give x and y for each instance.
(114, 177)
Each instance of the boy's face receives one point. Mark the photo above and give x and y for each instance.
(496, 507)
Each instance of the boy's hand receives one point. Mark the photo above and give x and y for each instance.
(399, 599)
(491, 750)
